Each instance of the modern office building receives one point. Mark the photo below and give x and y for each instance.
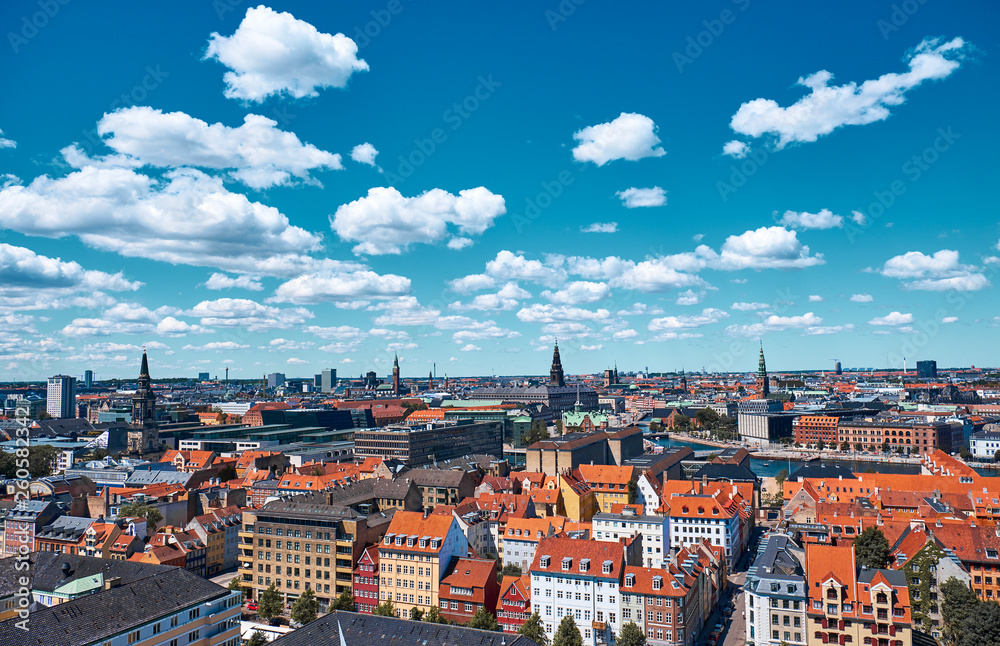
(88, 378)
(61, 397)
(927, 370)
(203, 376)
(275, 379)
(328, 380)
(425, 444)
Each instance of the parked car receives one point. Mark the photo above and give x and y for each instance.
(252, 606)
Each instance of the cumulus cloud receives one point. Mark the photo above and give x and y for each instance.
(892, 319)
(815, 298)
(634, 197)
(861, 298)
(950, 319)
(507, 298)
(256, 153)
(187, 218)
(216, 346)
(7, 143)
(131, 318)
(386, 222)
(937, 272)
(767, 248)
(690, 297)
(245, 313)
(273, 53)
(827, 107)
(340, 287)
(487, 330)
(687, 322)
(516, 267)
(735, 148)
(775, 323)
(592, 348)
(578, 293)
(749, 307)
(631, 136)
(470, 348)
(545, 313)
(471, 283)
(825, 219)
(222, 281)
(364, 154)
(600, 227)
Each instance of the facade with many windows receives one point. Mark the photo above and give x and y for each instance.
(366, 578)
(655, 532)
(775, 599)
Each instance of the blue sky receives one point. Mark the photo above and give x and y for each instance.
(292, 187)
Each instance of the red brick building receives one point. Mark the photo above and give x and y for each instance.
(514, 604)
(811, 429)
(470, 584)
(366, 581)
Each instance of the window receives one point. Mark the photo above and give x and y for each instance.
(133, 637)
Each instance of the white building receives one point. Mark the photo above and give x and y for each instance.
(60, 400)
(985, 443)
(655, 532)
(579, 578)
(694, 517)
(649, 493)
(775, 599)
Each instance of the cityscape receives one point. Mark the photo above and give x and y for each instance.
(551, 324)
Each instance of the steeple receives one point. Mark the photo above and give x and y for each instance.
(763, 387)
(556, 371)
(144, 368)
(395, 375)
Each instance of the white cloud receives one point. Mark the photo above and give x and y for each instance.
(385, 222)
(579, 293)
(633, 198)
(950, 319)
(660, 274)
(509, 266)
(637, 309)
(459, 243)
(190, 218)
(815, 298)
(274, 53)
(216, 346)
(340, 287)
(471, 283)
(687, 322)
(735, 148)
(471, 348)
(893, 319)
(364, 154)
(825, 219)
(631, 136)
(828, 329)
(487, 330)
(600, 227)
(257, 153)
(245, 313)
(859, 218)
(938, 272)
(507, 298)
(7, 143)
(545, 313)
(131, 318)
(749, 307)
(625, 334)
(222, 281)
(295, 361)
(827, 108)
(339, 333)
(288, 345)
(766, 248)
(591, 348)
(22, 268)
(690, 297)
(861, 298)
(775, 323)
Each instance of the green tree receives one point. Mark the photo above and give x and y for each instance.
(682, 422)
(236, 585)
(270, 604)
(508, 570)
(433, 616)
(416, 614)
(965, 454)
(845, 446)
(821, 444)
(633, 491)
(257, 639)
(227, 473)
(305, 608)
(559, 427)
(781, 477)
(996, 455)
(859, 446)
(957, 604)
(142, 510)
(708, 418)
(567, 634)
(484, 620)
(982, 626)
(534, 630)
(631, 635)
(885, 446)
(871, 549)
(344, 602)
(385, 609)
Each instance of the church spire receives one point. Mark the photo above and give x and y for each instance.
(556, 377)
(144, 368)
(763, 386)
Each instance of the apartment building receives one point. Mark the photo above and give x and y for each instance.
(435, 441)
(442, 486)
(712, 517)
(775, 599)
(655, 532)
(847, 604)
(909, 435)
(521, 538)
(514, 603)
(468, 585)
(23, 522)
(366, 579)
(610, 484)
(219, 530)
(414, 556)
(813, 429)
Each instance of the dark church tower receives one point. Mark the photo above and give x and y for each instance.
(556, 371)
(143, 436)
(430, 380)
(395, 375)
(763, 387)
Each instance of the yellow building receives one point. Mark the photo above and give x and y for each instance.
(609, 483)
(413, 557)
(578, 500)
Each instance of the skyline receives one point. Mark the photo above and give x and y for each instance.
(399, 179)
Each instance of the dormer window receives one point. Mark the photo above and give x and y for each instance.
(567, 563)
(435, 543)
(399, 540)
(606, 567)
(657, 582)
(584, 565)
(629, 580)
(423, 542)
(544, 561)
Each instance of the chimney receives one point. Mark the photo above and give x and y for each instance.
(113, 582)
(65, 570)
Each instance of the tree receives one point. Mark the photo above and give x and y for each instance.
(631, 635)
(859, 446)
(508, 570)
(996, 455)
(567, 634)
(235, 584)
(965, 454)
(821, 444)
(534, 630)
(845, 446)
(141, 510)
(305, 608)
(957, 604)
(484, 620)
(269, 605)
(871, 549)
(710, 457)
(982, 626)
(257, 639)
(344, 602)
(633, 491)
(885, 446)
(681, 421)
(416, 614)
(385, 609)
(227, 473)
(559, 427)
(433, 616)
(781, 477)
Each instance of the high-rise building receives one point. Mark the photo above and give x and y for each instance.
(203, 376)
(763, 388)
(88, 378)
(275, 379)
(143, 435)
(927, 370)
(395, 375)
(61, 398)
(838, 369)
(328, 380)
